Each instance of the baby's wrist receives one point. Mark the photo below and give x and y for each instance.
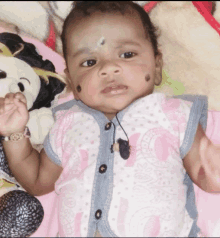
(17, 136)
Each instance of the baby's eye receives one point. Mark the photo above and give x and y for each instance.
(127, 55)
(88, 63)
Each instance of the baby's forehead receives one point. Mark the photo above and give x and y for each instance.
(102, 29)
(97, 17)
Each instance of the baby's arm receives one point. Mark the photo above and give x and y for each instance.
(34, 171)
(202, 163)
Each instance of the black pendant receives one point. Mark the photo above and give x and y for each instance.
(124, 148)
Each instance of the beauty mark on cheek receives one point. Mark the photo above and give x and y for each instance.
(147, 78)
(78, 88)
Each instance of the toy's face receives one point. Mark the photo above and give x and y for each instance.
(18, 76)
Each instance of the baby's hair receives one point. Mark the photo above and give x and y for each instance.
(82, 9)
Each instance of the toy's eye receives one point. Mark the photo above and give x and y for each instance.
(21, 87)
(3, 75)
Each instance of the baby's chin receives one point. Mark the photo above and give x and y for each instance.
(113, 107)
(110, 114)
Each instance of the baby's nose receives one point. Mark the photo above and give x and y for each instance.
(109, 68)
(114, 72)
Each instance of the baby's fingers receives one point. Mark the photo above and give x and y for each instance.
(9, 98)
(20, 100)
(20, 97)
(14, 101)
(5, 107)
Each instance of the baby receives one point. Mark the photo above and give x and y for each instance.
(120, 156)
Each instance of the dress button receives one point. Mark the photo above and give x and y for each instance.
(108, 126)
(98, 214)
(102, 168)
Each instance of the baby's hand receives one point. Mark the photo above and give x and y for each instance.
(13, 113)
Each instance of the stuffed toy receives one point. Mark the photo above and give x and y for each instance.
(23, 70)
(41, 20)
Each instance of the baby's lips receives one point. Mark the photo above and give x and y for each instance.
(108, 89)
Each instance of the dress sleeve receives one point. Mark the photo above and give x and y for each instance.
(197, 115)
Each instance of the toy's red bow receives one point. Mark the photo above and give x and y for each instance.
(51, 40)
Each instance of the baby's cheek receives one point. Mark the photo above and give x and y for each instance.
(87, 82)
(90, 89)
(136, 71)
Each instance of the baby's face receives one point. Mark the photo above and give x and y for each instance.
(110, 62)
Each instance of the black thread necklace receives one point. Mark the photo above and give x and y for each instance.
(124, 147)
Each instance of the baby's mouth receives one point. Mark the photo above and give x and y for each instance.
(115, 89)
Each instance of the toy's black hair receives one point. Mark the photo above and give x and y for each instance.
(28, 54)
(83, 9)
(31, 57)
(48, 92)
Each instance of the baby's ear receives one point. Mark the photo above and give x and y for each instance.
(68, 81)
(158, 69)
(70, 87)
(66, 72)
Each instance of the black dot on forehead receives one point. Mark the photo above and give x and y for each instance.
(103, 42)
